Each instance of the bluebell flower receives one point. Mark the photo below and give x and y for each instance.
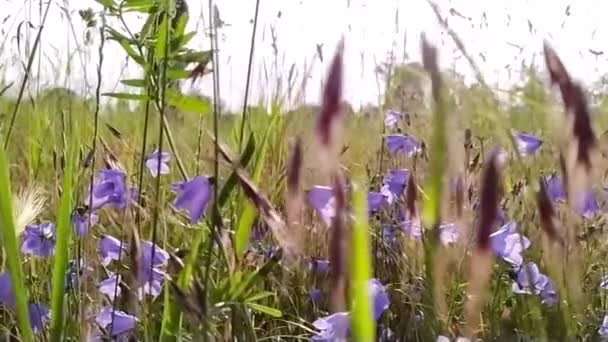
(603, 330)
(394, 183)
(531, 281)
(193, 196)
(109, 188)
(448, 234)
(7, 296)
(109, 249)
(380, 300)
(40, 315)
(111, 286)
(334, 327)
(80, 222)
(315, 295)
(391, 118)
(318, 265)
(122, 324)
(39, 240)
(152, 261)
(555, 188)
(587, 205)
(508, 244)
(388, 234)
(399, 143)
(152, 161)
(412, 228)
(375, 201)
(321, 199)
(527, 144)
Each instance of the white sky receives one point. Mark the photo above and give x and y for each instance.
(370, 30)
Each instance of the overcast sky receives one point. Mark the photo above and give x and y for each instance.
(371, 29)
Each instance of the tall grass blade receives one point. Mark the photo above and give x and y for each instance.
(363, 324)
(12, 250)
(247, 216)
(64, 230)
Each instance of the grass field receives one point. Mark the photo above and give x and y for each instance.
(457, 212)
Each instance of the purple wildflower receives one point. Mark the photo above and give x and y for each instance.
(380, 300)
(391, 118)
(151, 281)
(123, 322)
(320, 266)
(588, 205)
(315, 295)
(603, 330)
(527, 144)
(508, 244)
(109, 286)
(81, 222)
(334, 327)
(152, 162)
(109, 249)
(193, 196)
(7, 297)
(322, 200)
(375, 201)
(531, 281)
(39, 239)
(109, 188)
(411, 228)
(393, 184)
(388, 234)
(405, 144)
(555, 188)
(448, 234)
(39, 316)
(150, 274)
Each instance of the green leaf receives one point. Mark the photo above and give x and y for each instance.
(258, 296)
(248, 214)
(117, 36)
(143, 6)
(161, 40)
(187, 103)
(267, 310)
(191, 56)
(139, 83)
(11, 249)
(363, 324)
(131, 52)
(180, 28)
(64, 230)
(127, 96)
(106, 3)
(182, 40)
(178, 74)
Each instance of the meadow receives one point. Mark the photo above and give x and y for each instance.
(446, 213)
